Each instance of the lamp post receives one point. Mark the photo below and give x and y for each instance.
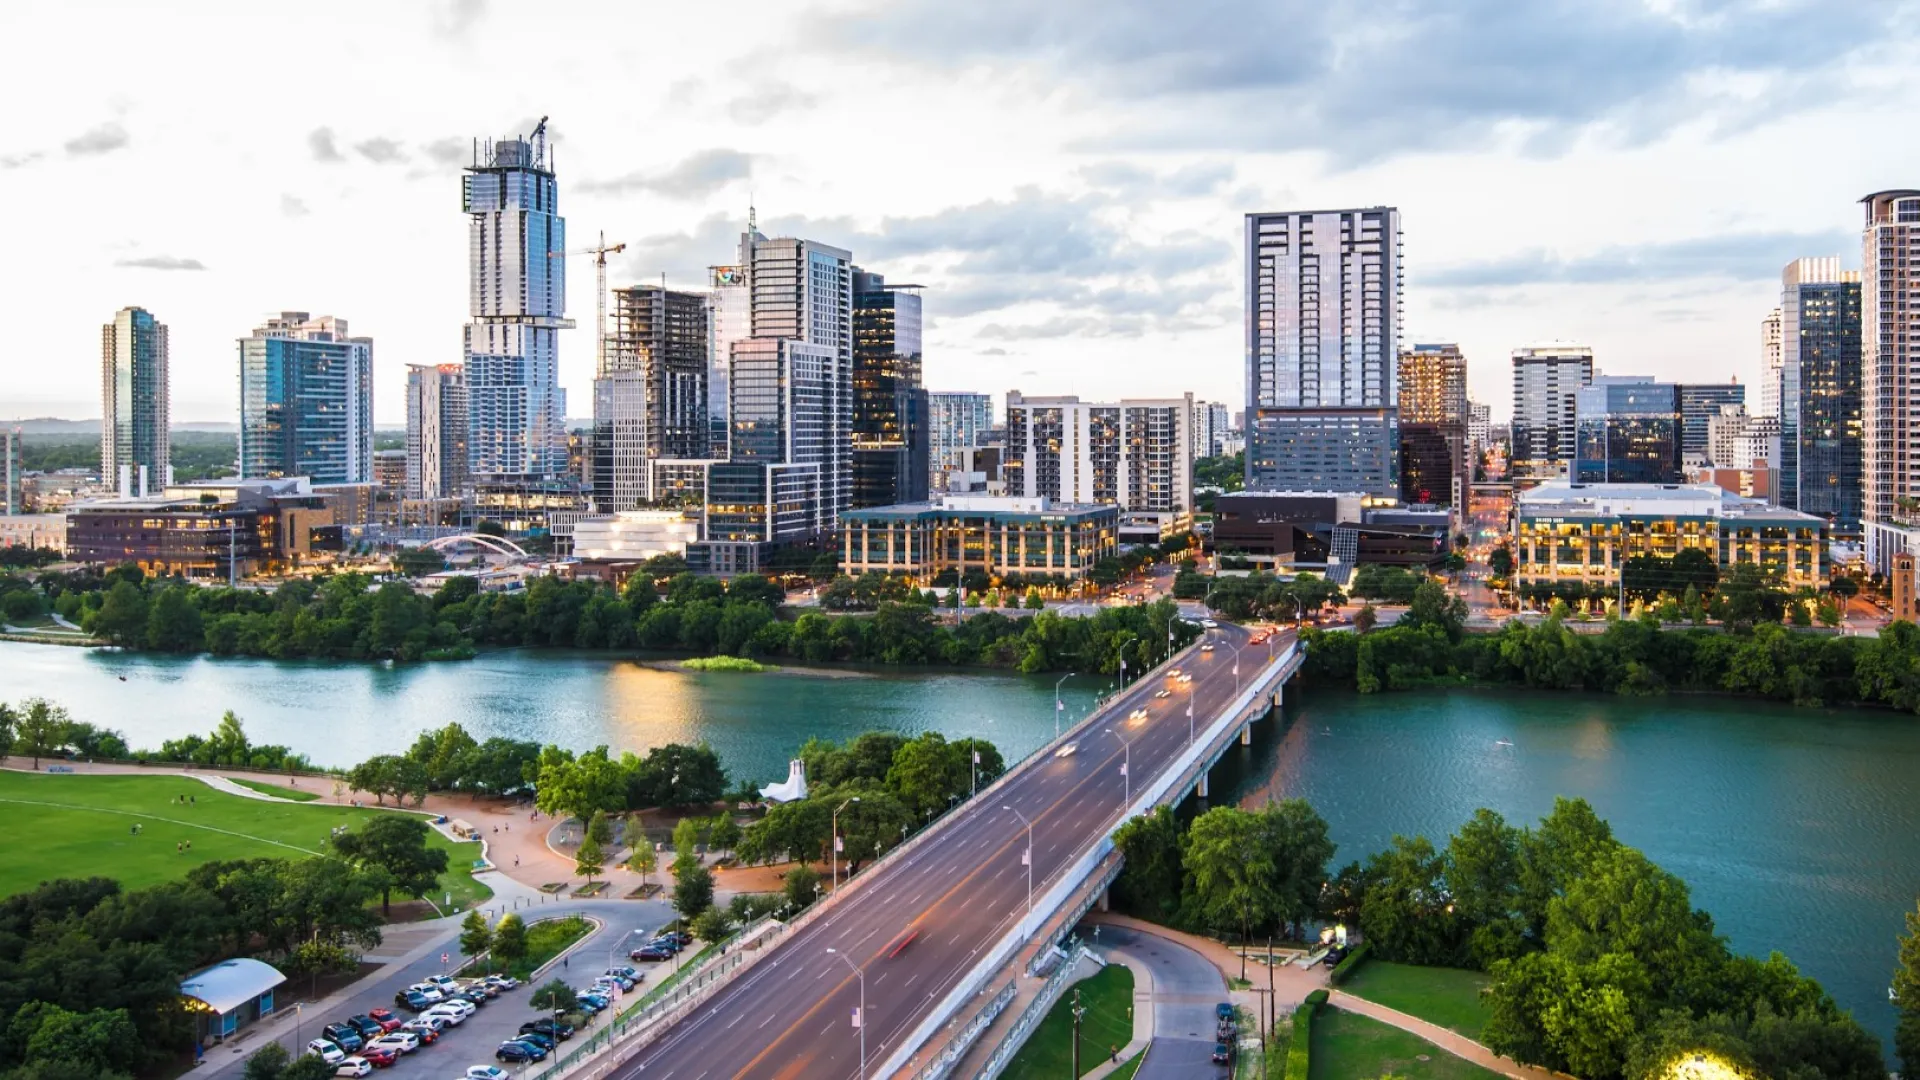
(1027, 856)
(1126, 769)
(860, 1016)
(617, 942)
(1058, 705)
(836, 840)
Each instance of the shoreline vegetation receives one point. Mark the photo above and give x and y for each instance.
(736, 664)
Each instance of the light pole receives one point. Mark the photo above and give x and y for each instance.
(1026, 856)
(1126, 769)
(860, 1015)
(1058, 705)
(836, 840)
(1236, 667)
(617, 942)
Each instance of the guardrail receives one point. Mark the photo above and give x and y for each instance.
(962, 1042)
(1035, 1011)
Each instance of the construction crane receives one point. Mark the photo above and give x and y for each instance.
(599, 253)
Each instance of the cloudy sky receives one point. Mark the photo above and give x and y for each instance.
(1067, 179)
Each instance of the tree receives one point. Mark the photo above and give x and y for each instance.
(1906, 997)
(642, 858)
(1366, 618)
(173, 623)
(588, 859)
(676, 775)
(267, 1063)
(307, 1067)
(316, 958)
(577, 787)
(724, 834)
(1297, 838)
(600, 828)
(510, 939)
(692, 890)
(1232, 869)
(1150, 882)
(7, 720)
(801, 885)
(1500, 563)
(712, 925)
(926, 771)
(41, 729)
(122, 618)
(476, 936)
(555, 995)
(396, 843)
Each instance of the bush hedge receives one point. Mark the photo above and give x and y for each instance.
(1297, 1050)
(1352, 960)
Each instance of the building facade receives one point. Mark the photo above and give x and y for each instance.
(1324, 450)
(306, 400)
(1323, 336)
(1700, 403)
(891, 452)
(1212, 429)
(964, 533)
(1545, 380)
(437, 431)
(1890, 363)
(135, 447)
(957, 420)
(1433, 385)
(1820, 392)
(1627, 430)
(1577, 532)
(12, 496)
(222, 530)
(1770, 357)
(1479, 428)
(1136, 454)
(1436, 456)
(636, 535)
(650, 396)
(517, 300)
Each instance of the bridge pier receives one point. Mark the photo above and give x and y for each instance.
(1106, 897)
(1201, 789)
(1246, 735)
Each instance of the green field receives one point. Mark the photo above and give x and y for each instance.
(278, 791)
(80, 825)
(1108, 999)
(1448, 997)
(1347, 1045)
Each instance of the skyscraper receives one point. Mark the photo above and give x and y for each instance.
(889, 421)
(517, 298)
(1820, 391)
(10, 449)
(1770, 365)
(1211, 425)
(1134, 453)
(1323, 332)
(956, 422)
(135, 452)
(1700, 403)
(437, 428)
(1627, 430)
(650, 396)
(306, 401)
(1479, 428)
(1545, 379)
(1435, 464)
(803, 292)
(1433, 385)
(1890, 362)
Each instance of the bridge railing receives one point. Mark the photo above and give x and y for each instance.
(964, 1039)
(1035, 1011)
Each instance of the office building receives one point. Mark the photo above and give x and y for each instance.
(1436, 461)
(1627, 431)
(390, 472)
(1135, 454)
(1585, 533)
(306, 401)
(650, 395)
(12, 497)
(219, 530)
(1433, 385)
(1545, 380)
(1212, 429)
(1330, 532)
(1324, 450)
(1323, 335)
(890, 439)
(1727, 436)
(517, 298)
(135, 451)
(48, 532)
(1820, 392)
(1699, 403)
(437, 431)
(1770, 354)
(1890, 363)
(1000, 536)
(957, 421)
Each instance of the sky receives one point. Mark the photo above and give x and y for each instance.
(1068, 180)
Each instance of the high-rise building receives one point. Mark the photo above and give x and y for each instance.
(1433, 385)
(11, 500)
(1134, 453)
(1323, 334)
(135, 451)
(957, 420)
(1627, 431)
(650, 395)
(306, 401)
(1545, 379)
(1212, 428)
(1479, 428)
(1699, 403)
(1770, 365)
(1436, 465)
(517, 300)
(1727, 437)
(729, 319)
(1890, 361)
(803, 292)
(890, 448)
(437, 428)
(1820, 391)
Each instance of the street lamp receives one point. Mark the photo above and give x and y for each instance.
(1126, 769)
(1058, 705)
(836, 840)
(1026, 856)
(860, 1015)
(617, 942)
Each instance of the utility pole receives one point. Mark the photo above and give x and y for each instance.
(1078, 1013)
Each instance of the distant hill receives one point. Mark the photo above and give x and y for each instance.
(53, 425)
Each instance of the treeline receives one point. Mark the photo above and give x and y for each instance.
(354, 616)
(1601, 967)
(38, 728)
(1635, 657)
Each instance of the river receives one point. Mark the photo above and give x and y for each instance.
(1798, 829)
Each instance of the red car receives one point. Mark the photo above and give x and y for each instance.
(379, 1056)
(385, 1018)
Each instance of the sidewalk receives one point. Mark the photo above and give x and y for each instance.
(1143, 1003)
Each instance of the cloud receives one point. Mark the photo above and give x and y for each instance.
(1737, 257)
(995, 351)
(458, 17)
(104, 139)
(768, 100)
(1363, 80)
(380, 151)
(291, 206)
(1130, 181)
(18, 161)
(320, 141)
(452, 150)
(701, 174)
(161, 262)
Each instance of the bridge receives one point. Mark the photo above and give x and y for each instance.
(962, 894)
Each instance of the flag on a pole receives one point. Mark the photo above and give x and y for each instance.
(856, 1016)
(1059, 706)
(839, 844)
(1123, 768)
(976, 757)
(1026, 857)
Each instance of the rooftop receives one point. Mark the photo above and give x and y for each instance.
(986, 504)
(230, 984)
(1562, 498)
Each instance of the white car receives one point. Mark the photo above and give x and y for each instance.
(446, 1012)
(504, 982)
(1164, 693)
(1137, 714)
(400, 1041)
(486, 1072)
(1206, 648)
(444, 982)
(426, 1023)
(326, 1051)
(354, 1066)
(1067, 750)
(1173, 673)
(1208, 623)
(430, 991)
(1186, 678)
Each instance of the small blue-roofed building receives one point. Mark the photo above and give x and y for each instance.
(228, 996)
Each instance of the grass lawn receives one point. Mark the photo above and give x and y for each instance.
(546, 940)
(1108, 999)
(80, 826)
(278, 791)
(1347, 1045)
(1448, 997)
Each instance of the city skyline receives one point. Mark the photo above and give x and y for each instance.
(1055, 246)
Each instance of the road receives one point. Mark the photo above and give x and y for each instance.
(1186, 987)
(790, 1016)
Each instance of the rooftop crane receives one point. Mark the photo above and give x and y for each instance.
(599, 253)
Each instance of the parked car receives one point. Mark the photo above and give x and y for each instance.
(380, 1057)
(486, 1072)
(444, 982)
(447, 1012)
(651, 952)
(559, 1029)
(385, 1018)
(624, 982)
(629, 972)
(1222, 1053)
(544, 1042)
(326, 1051)
(481, 986)
(412, 1000)
(400, 1042)
(1223, 1011)
(590, 1001)
(1334, 956)
(367, 1026)
(426, 1031)
(430, 991)
(504, 982)
(475, 998)
(353, 1066)
(345, 1036)
(516, 1051)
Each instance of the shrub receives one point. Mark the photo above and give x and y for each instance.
(1297, 1050)
(1347, 965)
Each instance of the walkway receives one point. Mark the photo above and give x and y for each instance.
(1180, 988)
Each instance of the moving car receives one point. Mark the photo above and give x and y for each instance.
(1173, 673)
(1137, 714)
(353, 1066)
(514, 1050)
(326, 1051)
(1066, 750)
(1164, 693)
(1208, 647)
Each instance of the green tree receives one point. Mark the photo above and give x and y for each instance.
(692, 890)
(588, 859)
(1150, 882)
(577, 787)
(41, 729)
(925, 771)
(600, 828)
(510, 939)
(173, 623)
(686, 844)
(801, 886)
(554, 995)
(725, 834)
(397, 844)
(476, 936)
(316, 958)
(267, 1063)
(7, 720)
(1482, 873)
(1366, 618)
(1906, 997)
(712, 925)
(307, 1067)
(1301, 849)
(122, 618)
(1232, 869)
(641, 858)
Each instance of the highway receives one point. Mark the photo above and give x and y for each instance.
(790, 1016)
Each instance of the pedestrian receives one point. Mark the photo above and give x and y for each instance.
(189, 845)
(516, 860)
(190, 801)
(1113, 1052)
(566, 961)
(176, 847)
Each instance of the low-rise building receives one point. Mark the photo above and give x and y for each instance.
(1566, 531)
(213, 530)
(999, 535)
(635, 535)
(45, 531)
(228, 996)
(1330, 531)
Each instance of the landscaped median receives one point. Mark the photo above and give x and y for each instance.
(1107, 1023)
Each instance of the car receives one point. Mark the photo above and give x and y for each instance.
(1137, 714)
(1209, 624)
(1186, 678)
(427, 990)
(1334, 956)
(400, 1042)
(1208, 647)
(1223, 1011)
(631, 973)
(367, 1026)
(679, 937)
(651, 953)
(458, 1004)
(353, 1066)
(1222, 1053)
(590, 1001)
(447, 1013)
(504, 982)
(326, 1051)
(1066, 750)
(425, 1030)
(380, 1057)
(385, 1018)
(486, 1072)
(1164, 694)
(444, 982)
(1173, 673)
(1226, 1031)
(514, 1050)
(626, 980)
(411, 999)
(345, 1036)
(475, 998)
(613, 982)
(544, 1042)
(559, 1029)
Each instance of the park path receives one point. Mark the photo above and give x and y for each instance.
(1451, 1041)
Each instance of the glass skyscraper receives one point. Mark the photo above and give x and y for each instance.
(890, 448)
(135, 451)
(306, 401)
(1545, 379)
(437, 431)
(1820, 384)
(1627, 431)
(517, 298)
(957, 420)
(650, 396)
